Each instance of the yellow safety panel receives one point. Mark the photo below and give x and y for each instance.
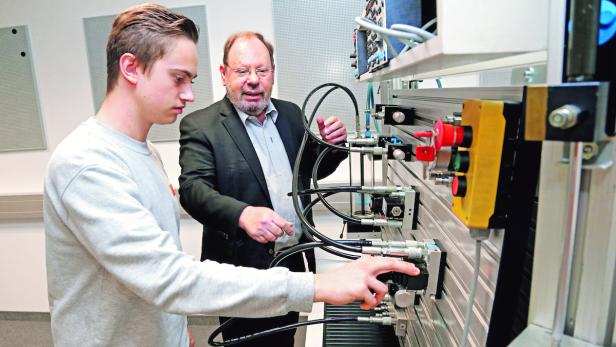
(488, 123)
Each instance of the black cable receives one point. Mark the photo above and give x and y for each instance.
(296, 167)
(287, 252)
(309, 122)
(298, 210)
(311, 238)
(293, 250)
(233, 341)
(315, 183)
(329, 190)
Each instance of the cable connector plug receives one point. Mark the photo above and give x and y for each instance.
(369, 150)
(414, 253)
(377, 320)
(380, 222)
(363, 141)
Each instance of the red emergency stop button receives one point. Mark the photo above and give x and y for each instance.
(448, 135)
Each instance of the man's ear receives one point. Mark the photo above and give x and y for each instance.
(128, 67)
(223, 74)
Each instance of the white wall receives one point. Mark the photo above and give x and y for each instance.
(63, 78)
(63, 81)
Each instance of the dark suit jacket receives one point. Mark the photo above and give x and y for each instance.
(221, 175)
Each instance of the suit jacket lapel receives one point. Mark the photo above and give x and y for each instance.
(286, 135)
(237, 131)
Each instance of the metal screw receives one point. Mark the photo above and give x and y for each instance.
(398, 116)
(529, 74)
(590, 150)
(564, 117)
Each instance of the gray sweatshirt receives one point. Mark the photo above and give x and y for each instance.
(116, 272)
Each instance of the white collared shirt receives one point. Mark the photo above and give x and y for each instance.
(276, 168)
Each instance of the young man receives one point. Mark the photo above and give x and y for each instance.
(237, 157)
(116, 272)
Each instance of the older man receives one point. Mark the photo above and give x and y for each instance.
(236, 157)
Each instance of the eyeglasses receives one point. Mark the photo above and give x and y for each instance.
(245, 72)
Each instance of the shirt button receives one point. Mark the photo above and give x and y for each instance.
(270, 251)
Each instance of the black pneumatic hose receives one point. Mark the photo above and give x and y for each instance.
(323, 190)
(296, 205)
(284, 254)
(309, 121)
(233, 341)
(296, 167)
(328, 249)
(315, 183)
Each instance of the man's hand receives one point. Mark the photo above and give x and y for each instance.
(263, 224)
(332, 130)
(357, 281)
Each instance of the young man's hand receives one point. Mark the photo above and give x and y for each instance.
(263, 224)
(332, 129)
(357, 281)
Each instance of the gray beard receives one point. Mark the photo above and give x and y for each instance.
(249, 108)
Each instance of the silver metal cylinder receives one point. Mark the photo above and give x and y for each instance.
(404, 298)
(398, 117)
(564, 117)
(399, 154)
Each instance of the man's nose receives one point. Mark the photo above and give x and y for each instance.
(253, 78)
(187, 95)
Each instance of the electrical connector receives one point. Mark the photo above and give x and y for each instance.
(380, 222)
(363, 141)
(377, 320)
(369, 150)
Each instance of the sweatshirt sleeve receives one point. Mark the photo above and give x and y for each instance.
(104, 212)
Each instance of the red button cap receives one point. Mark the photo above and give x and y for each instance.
(458, 186)
(447, 135)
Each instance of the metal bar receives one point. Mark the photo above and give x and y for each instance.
(575, 176)
(577, 265)
(582, 40)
